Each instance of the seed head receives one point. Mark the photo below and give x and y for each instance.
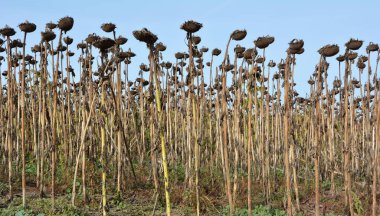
(191, 26)
(27, 27)
(329, 50)
(354, 44)
(239, 35)
(108, 27)
(263, 42)
(66, 23)
(7, 31)
(144, 35)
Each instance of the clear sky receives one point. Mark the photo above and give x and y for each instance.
(316, 22)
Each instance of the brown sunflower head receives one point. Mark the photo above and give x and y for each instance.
(296, 44)
(372, 47)
(36, 48)
(239, 49)
(108, 27)
(179, 55)
(360, 65)
(204, 49)
(271, 64)
(7, 31)
(363, 58)
(168, 65)
(144, 35)
(122, 55)
(27, 27)
(341, 58)
(68, 40)
(250, 53)
(130, 54)
(329, 50)
(121, 40)
(337, 83)
(263, 42)
(91, 38)
(216, 52)
(196, 40)
(81, 46)
(66, 23)
(51, 25)
(352, 55)
(191, 26)
(104, 43)
(48, 36)
(160, 47)
(238, 35)
(354, 44)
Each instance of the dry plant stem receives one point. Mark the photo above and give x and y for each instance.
(317, 136)
(249, 144)
(376, 146)
(9, 134)
(22, 80)
(54, 126)
(286, 139)
(347, 145)
(103, 152)
(194, 115)
(225, 132)
(162, 138)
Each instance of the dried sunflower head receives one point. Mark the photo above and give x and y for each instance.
(372, 47)
(263, 42)
(337, 83)
(91, 38)
(352, 55)
(250, 53)
(51, 25)
(36, 48)
(48, 36)
(271, 64)
(296, 44)
(238, 35)
(122, 55)
(216, 52)
(160, 47)
(179, 55)
(104, 43)
(360, 65)
(130, 54)
(239, 49)
(191, 26)
(168, 65)
(144, 35)
(121, 40)
(27, 27)
(204, 49)
(66, 23)
(196, 40)
(363, 58)
(68, 40)
(81, 46)
(341, 58)
(354, 44)
(108, 27)
(7, 31)
(329, 50)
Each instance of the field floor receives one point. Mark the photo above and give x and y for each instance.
(142, 202)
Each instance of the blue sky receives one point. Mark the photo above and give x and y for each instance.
(316, 22)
